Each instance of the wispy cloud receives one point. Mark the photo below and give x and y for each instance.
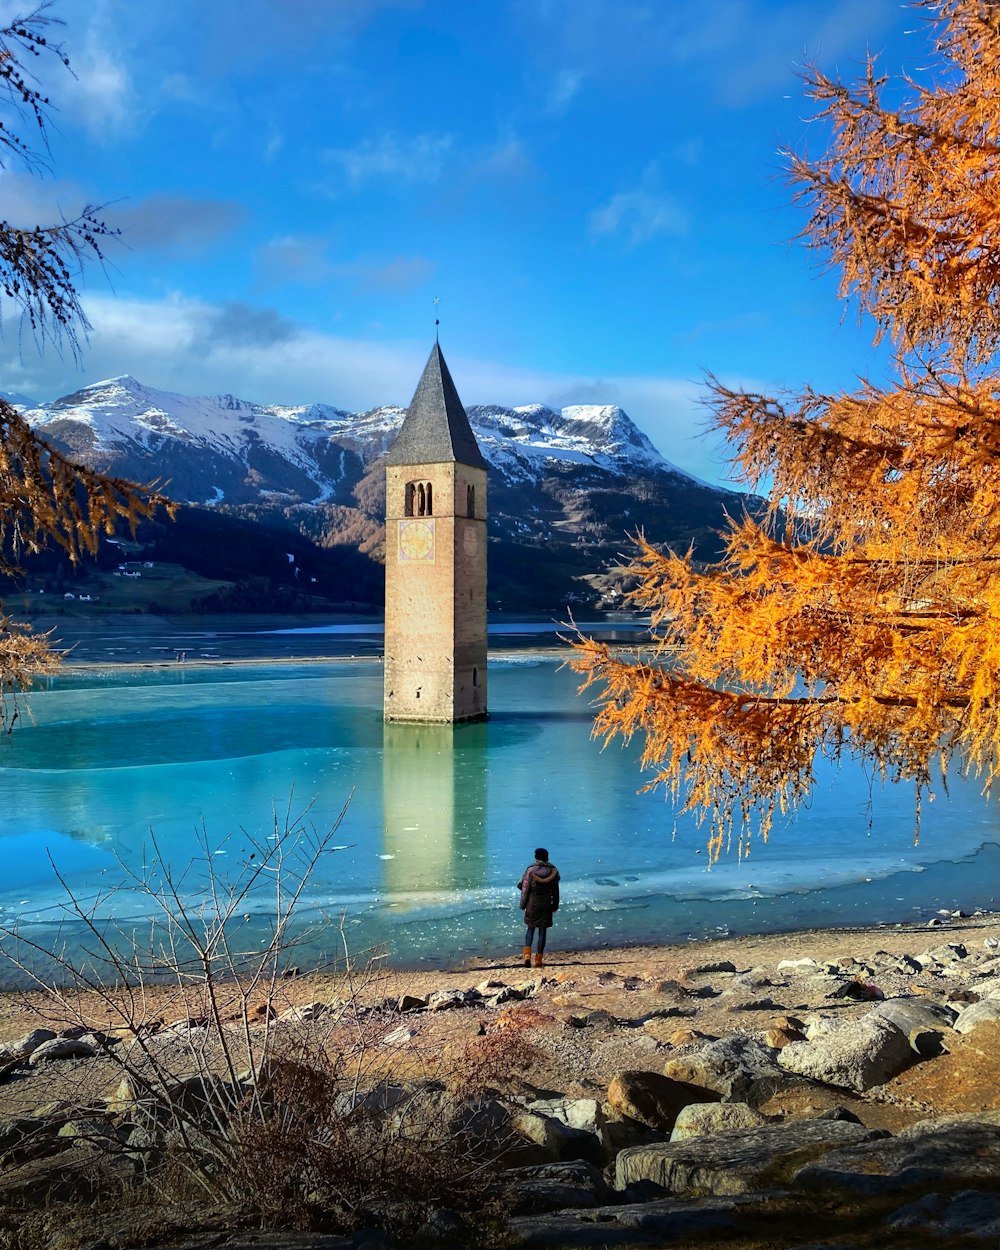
(640, 214)
(506, 160)
(234, 325)
(292, 260)
(743, 50)
(563, 90)
(101, 94)
(741, 324)
(305, 261)
(177, 223)
(402, 273)
(245, 33)
(28, 202)
(274, 142)
(419, 159)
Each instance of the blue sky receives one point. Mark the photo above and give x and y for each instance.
(592, 188)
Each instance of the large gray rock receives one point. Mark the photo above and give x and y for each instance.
(446, 1000)
(735, 1163)
(584, 1114)
(740, 1067)
(633, 1224)
(884, 963)
(858, 1054)
(29, 1042)
(967, 1214)
(700, 1120)
(553, 1186)
(977, 1013)
(616, 1135)
(950, 1151)
(548, 1134)
(652, 1099)
(947, 953)
(987, 986)
(719, 965)
(799, 967)
(61, 1048)
(908, 1014)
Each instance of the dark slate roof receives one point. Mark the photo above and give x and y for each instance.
(436, 429)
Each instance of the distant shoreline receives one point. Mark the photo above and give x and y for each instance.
(80, 666)
(124, 642)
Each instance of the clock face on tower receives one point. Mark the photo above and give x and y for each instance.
(415, 541)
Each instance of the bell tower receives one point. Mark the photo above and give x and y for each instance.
(435, 559)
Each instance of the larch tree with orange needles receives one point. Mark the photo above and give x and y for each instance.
(44, 498)
(861, 615)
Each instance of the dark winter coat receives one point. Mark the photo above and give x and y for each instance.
(539, 894)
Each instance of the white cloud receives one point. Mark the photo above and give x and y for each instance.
(420, 159)
(641, 214)
(100, 95)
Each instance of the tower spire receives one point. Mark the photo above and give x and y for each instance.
(436, 429)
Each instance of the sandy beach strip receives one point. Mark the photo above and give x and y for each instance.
(378, 978)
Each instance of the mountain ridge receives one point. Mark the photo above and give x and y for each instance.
(121, 409)
(566, 485)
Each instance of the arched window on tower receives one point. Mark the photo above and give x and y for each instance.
(470, 501)
(418, 499)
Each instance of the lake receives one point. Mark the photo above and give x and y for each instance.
(441, 820)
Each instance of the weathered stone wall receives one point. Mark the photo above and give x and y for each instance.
(435, 597)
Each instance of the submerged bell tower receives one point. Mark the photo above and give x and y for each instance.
(435, 559)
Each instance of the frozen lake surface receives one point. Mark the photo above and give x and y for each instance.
(441, 820)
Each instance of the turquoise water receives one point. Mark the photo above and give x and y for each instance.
(441, 820)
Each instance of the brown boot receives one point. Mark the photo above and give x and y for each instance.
(538, 961)
(527, 956)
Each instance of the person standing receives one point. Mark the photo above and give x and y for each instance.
(539, 886)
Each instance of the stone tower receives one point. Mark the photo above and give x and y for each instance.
(435, 559)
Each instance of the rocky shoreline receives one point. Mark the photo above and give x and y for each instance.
(773, 1089)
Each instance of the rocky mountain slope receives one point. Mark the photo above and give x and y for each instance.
(566, 486)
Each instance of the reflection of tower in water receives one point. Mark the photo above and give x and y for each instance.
(434, 807)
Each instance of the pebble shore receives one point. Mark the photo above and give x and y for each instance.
(658, 1091)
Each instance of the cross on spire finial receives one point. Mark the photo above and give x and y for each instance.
(437, 321)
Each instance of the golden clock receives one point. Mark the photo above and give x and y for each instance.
(416, 540)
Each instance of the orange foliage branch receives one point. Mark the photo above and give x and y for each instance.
(862, 614)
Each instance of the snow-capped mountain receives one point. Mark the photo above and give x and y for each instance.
(566, 488)
(18, 399)
(223, 449)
